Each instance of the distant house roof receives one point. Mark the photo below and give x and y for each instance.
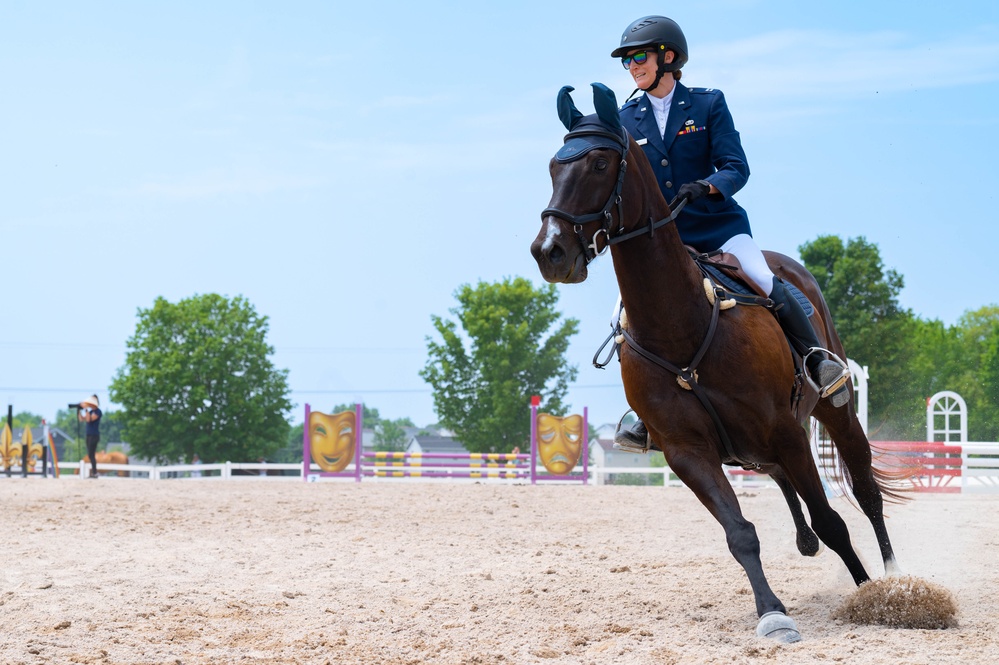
(604, 454)
(435, 444)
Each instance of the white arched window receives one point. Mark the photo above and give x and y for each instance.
(946, 416)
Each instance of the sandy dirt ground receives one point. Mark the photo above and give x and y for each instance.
(272, 571)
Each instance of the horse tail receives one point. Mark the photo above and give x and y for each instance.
(891, 478)
(892, 481)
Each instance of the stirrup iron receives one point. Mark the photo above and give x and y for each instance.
(628, 446)
(839, 382)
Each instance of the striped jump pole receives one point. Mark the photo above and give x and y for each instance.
(392, 464)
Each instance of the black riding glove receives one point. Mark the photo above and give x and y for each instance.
(693, 190)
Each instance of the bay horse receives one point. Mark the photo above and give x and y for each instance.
(605, 196)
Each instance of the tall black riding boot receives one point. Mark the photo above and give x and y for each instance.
(830, 376)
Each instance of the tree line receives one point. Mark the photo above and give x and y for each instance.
(198, 378)
(909, 358)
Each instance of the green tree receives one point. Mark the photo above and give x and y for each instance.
(197, 379)
(516, 348)
(369, 416)
(390, 435)
(863, 298)
(987, 426)
(25, 419)
(291, 452)
(979, 338)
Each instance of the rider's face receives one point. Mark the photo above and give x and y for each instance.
(645, 73)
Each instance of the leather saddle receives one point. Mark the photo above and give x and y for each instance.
(725, 271)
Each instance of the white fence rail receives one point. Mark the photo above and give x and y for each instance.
(979, 471)
(226, 470)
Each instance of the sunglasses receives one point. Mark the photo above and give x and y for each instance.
(639, 58)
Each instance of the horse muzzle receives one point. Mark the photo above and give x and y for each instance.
(559, 261)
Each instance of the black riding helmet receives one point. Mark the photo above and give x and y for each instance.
(656, 31)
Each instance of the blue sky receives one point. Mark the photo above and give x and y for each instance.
(347, 166)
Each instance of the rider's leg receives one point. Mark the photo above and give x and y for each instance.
(829, 375)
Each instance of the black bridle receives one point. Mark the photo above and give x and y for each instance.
(604, 215)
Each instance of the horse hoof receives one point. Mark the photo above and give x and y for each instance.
(809, 544)
(778, 626)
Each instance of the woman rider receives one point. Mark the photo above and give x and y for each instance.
(690, 139)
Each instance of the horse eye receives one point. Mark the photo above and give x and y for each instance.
(600, 165)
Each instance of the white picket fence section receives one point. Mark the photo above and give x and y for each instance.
(224, 470)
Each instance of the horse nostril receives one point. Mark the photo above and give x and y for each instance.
(556, 255)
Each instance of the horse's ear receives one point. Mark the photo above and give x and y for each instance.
(605, 103)
(567, 111)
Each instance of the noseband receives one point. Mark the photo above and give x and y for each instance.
(604, 214)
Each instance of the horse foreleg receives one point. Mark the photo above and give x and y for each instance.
(712, 488)
(806, 540)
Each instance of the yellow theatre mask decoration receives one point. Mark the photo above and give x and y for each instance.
(559, 442)
(332, 440)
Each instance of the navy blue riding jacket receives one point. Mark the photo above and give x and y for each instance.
(701, 143)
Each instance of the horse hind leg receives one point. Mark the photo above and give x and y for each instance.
(800, 470)
(806, 540)
(855, 451)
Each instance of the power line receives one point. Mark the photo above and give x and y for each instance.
(283, 349)
(319, 391)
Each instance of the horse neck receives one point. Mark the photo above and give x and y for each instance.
(661, 290)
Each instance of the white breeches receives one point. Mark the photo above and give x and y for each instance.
(754, 266)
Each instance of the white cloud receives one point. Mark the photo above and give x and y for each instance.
(805, 66)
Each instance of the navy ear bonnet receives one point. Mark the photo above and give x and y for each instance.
(577, 146)
(600, 130)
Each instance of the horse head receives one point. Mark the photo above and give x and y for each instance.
(577, 223)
